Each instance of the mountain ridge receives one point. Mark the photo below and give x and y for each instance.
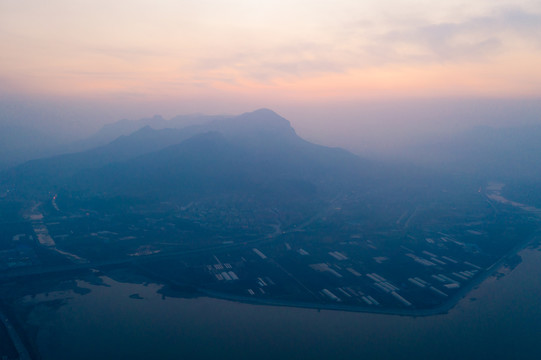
(255, 148)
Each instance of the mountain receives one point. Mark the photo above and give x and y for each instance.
(126, 127)
(57, 170)
(257, 155)
(19, 144)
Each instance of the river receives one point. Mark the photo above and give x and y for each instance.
(501, 319)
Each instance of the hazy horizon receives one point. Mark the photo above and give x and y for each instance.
(365, 128)
(368, 76)
(270, 179)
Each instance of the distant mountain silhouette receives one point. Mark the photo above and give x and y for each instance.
(55, 170)
(280, 164)
(256, 154)
(126, 127)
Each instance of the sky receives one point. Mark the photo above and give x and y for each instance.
(135, 58)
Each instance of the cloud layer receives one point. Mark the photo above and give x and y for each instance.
(287, 48)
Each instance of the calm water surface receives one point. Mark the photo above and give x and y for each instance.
(499, 320)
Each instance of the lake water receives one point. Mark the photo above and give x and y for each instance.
(501, 319)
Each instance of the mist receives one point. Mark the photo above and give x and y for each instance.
(270, 179)
(370, 128)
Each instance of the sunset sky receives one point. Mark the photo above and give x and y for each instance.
(243, 54)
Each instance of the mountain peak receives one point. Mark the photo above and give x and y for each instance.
(263, 121)
(264, 111)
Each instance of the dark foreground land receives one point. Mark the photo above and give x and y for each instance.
(411, 259)
(347, 255)
(244, 208)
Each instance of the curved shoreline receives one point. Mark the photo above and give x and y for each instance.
(439, 310)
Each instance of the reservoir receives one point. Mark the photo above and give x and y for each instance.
(501, 319)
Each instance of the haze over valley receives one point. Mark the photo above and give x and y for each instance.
(242, 208)
(295, 223)
(292, 180)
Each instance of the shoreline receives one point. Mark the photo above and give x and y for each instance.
(444, 308)
(439, 310)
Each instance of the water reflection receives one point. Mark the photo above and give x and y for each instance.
(141, 321)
